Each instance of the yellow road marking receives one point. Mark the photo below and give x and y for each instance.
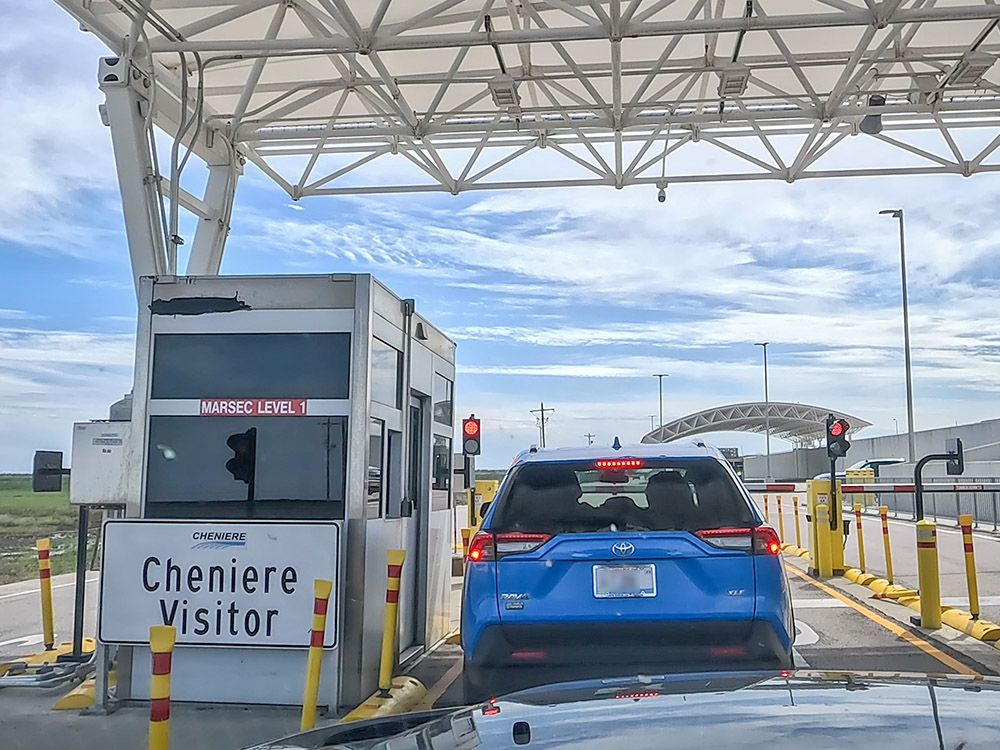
(438, 688)
(892, 627)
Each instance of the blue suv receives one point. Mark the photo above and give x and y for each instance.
(605, 563)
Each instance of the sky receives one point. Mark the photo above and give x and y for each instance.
(569, 297)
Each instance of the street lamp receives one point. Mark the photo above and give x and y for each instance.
(895, 423)
(897, 213)
(767, 409)
(661, 376)
(652, 422)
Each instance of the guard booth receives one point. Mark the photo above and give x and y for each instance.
(350, 394)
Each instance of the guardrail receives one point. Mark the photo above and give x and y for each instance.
(977, 497)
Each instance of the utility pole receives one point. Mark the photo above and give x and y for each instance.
(767, 409)
(590, 438)
(660, 377)
(542, 419)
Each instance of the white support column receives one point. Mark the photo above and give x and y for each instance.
(125, 110)
(213, 229)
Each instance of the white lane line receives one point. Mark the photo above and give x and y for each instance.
(817, 603)
(963, 601)
(38, 591)
(800, 661)
(805, 635)
(25, 640)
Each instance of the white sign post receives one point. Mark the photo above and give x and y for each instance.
(219, 583)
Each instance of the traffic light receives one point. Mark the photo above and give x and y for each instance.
(470, 436)
(837, 444)
(956, 456)
(242, 465)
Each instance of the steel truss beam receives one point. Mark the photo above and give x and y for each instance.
(326, 97)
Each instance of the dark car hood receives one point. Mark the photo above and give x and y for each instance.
(808, 710)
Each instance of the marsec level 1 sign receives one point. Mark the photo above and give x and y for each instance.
(217, 583)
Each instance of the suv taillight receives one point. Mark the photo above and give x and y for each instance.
(519, 543)
(486, 547)
(762, 540)
(481, 548)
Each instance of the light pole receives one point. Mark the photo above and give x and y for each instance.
(652, 422)
(897, 213)
(895, 423)
(767, 409)
(661, 376)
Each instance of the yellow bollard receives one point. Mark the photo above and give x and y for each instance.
(161, 643)
(466, 533)
(824, 561)
(861, 537)
(396, 558)
(798, 528)
(767, 510)
(927, 575)
(321, 603)
(965, 520)
(883, 511)
(781, 522)
(44, 547)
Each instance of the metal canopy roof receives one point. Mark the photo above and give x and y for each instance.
(797, 422)
(355, 96)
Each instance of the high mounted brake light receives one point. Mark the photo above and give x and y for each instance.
(619, 463)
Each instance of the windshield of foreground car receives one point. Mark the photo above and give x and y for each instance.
(659, 495)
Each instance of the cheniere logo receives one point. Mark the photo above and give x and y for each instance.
(218, 539)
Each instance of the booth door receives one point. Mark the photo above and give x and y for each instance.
(411, 616)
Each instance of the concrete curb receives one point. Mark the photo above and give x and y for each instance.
(982, 653)
(982, 630)
(405, 693)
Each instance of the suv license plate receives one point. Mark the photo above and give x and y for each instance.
(624, 581)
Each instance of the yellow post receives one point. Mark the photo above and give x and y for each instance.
(965, 520)
(466, 533)
(883, 511)
(44, 547)
(927, 574)
(161, 643)
(767, 510)
(321, 603)
(781, 522)
(861, 537)
(396, 558)
(798, 528)
(824, 560)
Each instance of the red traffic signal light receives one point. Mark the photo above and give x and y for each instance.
(244, 463)
(839, 428)
(837, 444)
(470, 436)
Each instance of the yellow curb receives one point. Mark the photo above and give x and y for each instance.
(879, 585)
(804, 554)
(865, 579)
(454, 639)
(47, 657)
(405, 693)
(83, 695)
(913, 602)
(982, 630)
(851, 574)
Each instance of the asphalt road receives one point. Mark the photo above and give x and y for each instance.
(21, 613)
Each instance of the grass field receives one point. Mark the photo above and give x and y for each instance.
(26, 516)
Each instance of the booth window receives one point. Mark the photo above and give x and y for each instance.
(376, 466)
(299, 471)
(441, 478)
(443, 389)
(251, 365)
(387, 374)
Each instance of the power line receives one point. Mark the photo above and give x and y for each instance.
(542, 419)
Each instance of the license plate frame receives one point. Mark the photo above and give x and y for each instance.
(602, 572)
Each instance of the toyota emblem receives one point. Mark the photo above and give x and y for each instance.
(623, 549)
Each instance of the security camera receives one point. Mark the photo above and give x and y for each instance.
(662, 195)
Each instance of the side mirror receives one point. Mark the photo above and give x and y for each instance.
(406, 509)
(47, 471)
(483, 510)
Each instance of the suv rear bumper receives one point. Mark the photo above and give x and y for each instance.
(512, 658)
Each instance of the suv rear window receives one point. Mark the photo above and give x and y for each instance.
(660, 495)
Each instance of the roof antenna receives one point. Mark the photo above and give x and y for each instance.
(617, 445)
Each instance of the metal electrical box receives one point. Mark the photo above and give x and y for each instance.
(100, 475)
